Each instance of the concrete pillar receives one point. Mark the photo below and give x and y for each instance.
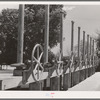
(72, 44)
(20, 34)
(46, 39)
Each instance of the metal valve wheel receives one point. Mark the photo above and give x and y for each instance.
(90, 61)
(72, 62)
(59, 69)
(37, 69)
(86, 61)
(93, 61)
(80, 62)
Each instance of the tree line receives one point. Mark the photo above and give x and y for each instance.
(34, 27)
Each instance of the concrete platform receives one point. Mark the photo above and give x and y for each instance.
(7, 80)
(92, 83)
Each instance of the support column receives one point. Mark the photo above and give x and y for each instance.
(83, 45)
(90, 52)
(79, 42)
(72, 42)
(83, 71)
(61, 49)
(61, 34)
(77, 78)
(79, 53)
(93, 71)
(20, 34)
(18, 71)
(88, 47)
(87, 55)
(46, 40)
(72, 35)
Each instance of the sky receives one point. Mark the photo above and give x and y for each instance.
(85, 16)
(4, 6)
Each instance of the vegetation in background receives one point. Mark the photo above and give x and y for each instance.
(33, 31)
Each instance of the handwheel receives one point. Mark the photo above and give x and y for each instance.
(37, 69)
(93, 61)
(86, 61)
(59, 69)
(80, 62)
(90, 61)
(72, 62)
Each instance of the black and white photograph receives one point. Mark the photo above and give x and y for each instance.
(49, 47)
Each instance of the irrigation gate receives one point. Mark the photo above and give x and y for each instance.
(62, 75)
